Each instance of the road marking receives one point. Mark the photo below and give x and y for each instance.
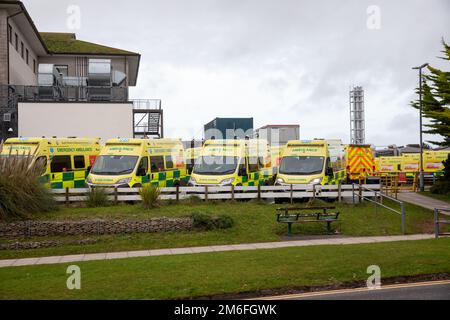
(364, 289)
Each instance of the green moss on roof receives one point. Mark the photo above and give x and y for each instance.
(67, 43)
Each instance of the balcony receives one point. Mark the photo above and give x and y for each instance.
(69, 93)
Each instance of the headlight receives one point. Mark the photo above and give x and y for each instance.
(226, 181)
(123, 181)
(89, 180)
(192, 181)
(280, 181)
(316, 181)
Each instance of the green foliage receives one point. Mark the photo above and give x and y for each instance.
(97, 197)
(57, 42)
(436, 100)
(443, 185)
(207, 222)
(149, 195)
(21, 194)
(193, 199)
(184, 276)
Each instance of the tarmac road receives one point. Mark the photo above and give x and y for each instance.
(433, 290)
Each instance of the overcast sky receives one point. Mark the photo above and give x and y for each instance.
(280, 62)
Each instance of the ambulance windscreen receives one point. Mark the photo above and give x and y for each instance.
(215, 165)
(301, 165)
(114, 165)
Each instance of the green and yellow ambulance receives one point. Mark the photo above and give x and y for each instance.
(66, 161)
(309, 162)
(134, 163)
(233, 162)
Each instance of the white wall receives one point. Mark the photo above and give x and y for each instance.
(104, 120)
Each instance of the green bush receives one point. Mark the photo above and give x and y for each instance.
(206, 222)
(97, 197)
(149, 195)
(21, 194)
(193, 199)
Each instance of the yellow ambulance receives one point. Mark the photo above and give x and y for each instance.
(275, 152)
(309, 162)
(67, 161)
(134, 163)
(433, 161)
(233, 162)
(390, 164)
(360, 162)
(410, 163)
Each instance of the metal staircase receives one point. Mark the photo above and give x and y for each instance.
(147, 119)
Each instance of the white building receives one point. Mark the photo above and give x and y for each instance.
(280, 134)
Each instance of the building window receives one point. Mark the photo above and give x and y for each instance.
(21, 49)
(63, 70)
(27, 56)
(17, 42)
(34, 65)
(7, 117)
(10, 34)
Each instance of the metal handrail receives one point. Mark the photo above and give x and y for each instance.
(380, 194)
(437, 222)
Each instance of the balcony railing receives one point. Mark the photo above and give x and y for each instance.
(69, 93)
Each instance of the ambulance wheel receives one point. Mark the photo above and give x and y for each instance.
(176, 184)
(137, 185)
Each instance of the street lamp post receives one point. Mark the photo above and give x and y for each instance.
(422, 186)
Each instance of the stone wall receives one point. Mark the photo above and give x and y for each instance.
(43, 244)
(32, 228)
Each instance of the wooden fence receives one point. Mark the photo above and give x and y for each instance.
(291, 192)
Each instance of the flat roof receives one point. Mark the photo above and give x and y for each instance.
(280, 125)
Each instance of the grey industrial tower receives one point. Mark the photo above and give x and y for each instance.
(357, 123)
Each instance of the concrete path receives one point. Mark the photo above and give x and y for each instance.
(422, 201)
(221, 248)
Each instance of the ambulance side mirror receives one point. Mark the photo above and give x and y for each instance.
(242, 171)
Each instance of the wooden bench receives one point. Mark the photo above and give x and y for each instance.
(322, 216)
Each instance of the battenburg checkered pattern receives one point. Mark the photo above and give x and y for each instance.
(256, 178)
(166, 178)
(338, 177)
(62, 180)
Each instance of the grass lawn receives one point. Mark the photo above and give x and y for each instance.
(226, 272)
(254, 222)
(441, 197)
